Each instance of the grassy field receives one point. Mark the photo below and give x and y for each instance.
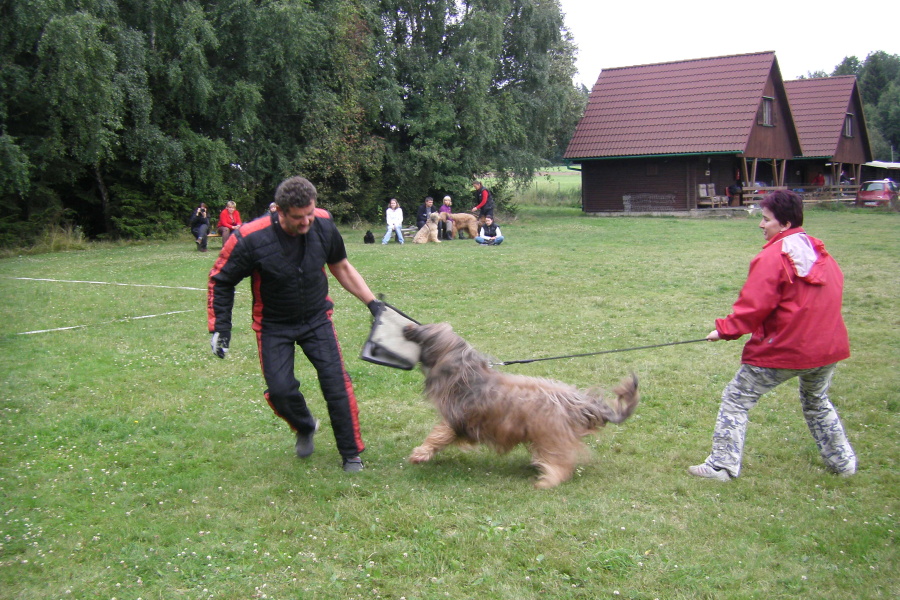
(137, 465)
(552, 187)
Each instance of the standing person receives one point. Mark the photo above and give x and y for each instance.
(484, 201)
(229, 221)
(393, 216)
(200, 226)
(489, 234)
(445, 228)
(791, 306)
(285, 255)
(424, 212)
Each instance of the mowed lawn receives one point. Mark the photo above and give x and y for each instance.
(137, 465)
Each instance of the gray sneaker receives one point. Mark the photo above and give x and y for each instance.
(304, 446)
(708, 472)
(353, 464)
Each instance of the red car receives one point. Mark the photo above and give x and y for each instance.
(877, 193)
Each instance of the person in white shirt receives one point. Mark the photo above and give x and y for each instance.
(394, 218)
(489, 234)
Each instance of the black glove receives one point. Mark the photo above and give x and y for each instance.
(219, 343)
(375, 307)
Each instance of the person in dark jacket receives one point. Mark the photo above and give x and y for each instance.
(424, 212)
(484, 201)
(200, 226)
(285, 255)
(489, 234)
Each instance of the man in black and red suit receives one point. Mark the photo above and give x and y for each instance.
(285, 253)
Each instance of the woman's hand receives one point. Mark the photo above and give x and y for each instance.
(713, 336)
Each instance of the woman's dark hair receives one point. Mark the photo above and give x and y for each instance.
(786, 206)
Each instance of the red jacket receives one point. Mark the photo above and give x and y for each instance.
(791, 306)
(229, 220)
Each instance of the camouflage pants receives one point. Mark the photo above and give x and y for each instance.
(822, 419)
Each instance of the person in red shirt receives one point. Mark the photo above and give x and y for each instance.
(819, 180)
(484, 201)
(791, 307)
(229, 220)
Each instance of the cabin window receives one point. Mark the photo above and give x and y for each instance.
(766, 114)
(848, 125)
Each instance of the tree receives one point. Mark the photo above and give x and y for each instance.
(879, 82)
(123, 114)
(473, 87)
(877, 73)
(849, 66)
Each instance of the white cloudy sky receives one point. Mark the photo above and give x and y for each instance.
(806, 36)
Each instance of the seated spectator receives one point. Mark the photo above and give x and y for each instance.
(489, 234)
(445, 228)
(200, 226)
(393, 217)
(229, 220)
(424, 212)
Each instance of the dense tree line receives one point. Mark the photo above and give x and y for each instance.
(121, 115)
(878, 77)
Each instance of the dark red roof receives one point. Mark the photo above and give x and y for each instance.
(819, 106)
(704, 105)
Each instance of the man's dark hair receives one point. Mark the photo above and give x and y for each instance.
(786, 206)
(296, 192)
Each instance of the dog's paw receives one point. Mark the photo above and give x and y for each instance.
(420, 455)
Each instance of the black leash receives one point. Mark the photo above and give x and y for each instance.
(531, 360)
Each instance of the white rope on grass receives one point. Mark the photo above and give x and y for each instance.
(169, 287)
(174, 312)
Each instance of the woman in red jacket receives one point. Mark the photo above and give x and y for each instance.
(229, 220)
(791, 306)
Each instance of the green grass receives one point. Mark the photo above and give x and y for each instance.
(137, 465)
(553, 187)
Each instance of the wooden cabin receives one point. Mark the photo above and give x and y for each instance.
(828, 113)
(670, 136)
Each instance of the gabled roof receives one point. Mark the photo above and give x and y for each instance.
(706, 105)
(819, 106)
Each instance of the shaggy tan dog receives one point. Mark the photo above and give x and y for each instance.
(428, 232)
(464, 221)
(480, 405)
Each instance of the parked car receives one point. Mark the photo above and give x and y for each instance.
(877, 193)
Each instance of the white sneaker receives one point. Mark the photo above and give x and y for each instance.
(708, 472)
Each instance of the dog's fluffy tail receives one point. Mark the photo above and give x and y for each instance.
(627, 396)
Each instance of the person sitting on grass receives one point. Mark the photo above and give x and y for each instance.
(489, 234)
